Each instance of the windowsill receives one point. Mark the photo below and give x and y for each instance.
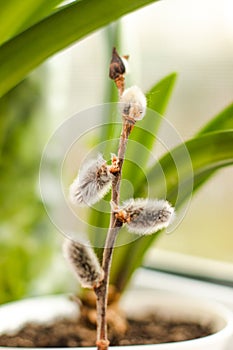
(191, 266)
(182, 276)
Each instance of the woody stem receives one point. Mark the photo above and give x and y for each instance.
(114, 227)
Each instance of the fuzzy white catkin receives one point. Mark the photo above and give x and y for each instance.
(133, 103)
(147, 216)
(126, 64)
(92, 183)
(83, 263)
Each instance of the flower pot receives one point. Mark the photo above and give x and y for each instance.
(135, 302)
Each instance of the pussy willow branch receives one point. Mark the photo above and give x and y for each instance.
(114, 227)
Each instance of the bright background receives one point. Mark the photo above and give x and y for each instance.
(192, 38)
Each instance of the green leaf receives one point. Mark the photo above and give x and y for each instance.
(12, 15)
(223, 121)
(15, 14)
(144, 134)
(207, 153)
(45, 9)
(159, 95)
(26, 51)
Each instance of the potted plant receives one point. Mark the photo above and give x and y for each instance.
(214, 141)
(144, 217)
(42, 311)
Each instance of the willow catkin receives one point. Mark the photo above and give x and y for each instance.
(147, 216)
(83, 263)
(133, 103)
(92, 183)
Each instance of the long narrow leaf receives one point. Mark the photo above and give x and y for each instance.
(223, 121)
(45, 9)
(208, 153)
(159, 95)
(14, 14)
(26, 51)
(144, 135)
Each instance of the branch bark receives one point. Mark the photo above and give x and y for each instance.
(114, 227)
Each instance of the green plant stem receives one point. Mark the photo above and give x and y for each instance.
(115, 226)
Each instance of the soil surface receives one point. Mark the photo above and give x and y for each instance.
(67, 333)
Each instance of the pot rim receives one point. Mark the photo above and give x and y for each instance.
(219, 310)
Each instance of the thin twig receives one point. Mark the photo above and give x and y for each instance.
(116, 72)
(115, 225)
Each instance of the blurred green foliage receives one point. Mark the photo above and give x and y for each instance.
(24, 241)
(30, 33)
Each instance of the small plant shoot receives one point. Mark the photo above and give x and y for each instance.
(94, 180)
(141, 216)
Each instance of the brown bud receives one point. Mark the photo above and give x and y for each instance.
(117, 67)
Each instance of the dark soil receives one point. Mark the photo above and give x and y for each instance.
(64, 333)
